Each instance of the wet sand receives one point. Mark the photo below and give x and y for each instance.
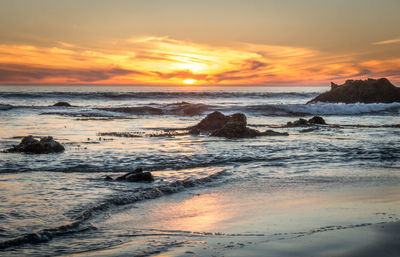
(271, 218)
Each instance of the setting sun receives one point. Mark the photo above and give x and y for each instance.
(189, 81)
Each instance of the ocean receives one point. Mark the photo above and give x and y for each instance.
(210, 195)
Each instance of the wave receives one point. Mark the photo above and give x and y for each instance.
(193, 109)
(5, 107)
(180, 109)
(80, 224)
(323, 109)
(152, 163)
(154, 95)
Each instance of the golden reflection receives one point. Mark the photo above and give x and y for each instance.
(203, 212)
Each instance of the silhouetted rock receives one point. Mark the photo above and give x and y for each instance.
(140, 177)
(31, 145)
(361, 91)
(211, 122)
(316, 120)
(62, 104)
(137, 176)
(108, 178)
(233, 126)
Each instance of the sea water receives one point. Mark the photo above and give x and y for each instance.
(205, 187)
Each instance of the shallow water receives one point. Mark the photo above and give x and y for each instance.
(49, 203)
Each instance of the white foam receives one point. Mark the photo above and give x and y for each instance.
(341, 108)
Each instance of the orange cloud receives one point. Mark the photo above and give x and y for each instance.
(162, 60)
(385, 42)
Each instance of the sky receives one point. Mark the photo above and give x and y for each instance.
(208, 42)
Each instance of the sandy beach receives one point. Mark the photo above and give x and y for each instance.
(266, 219)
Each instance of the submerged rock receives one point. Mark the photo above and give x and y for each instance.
(108, 178)
(270, 132)
(63, 104)
(137, 176)
(140, 177)
(31, 145)
(232, 126)
(361, 91)
(187, 109)
(316, 120)
(142, 110)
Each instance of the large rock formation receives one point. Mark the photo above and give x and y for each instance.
(31, 145)
(361, 91)
(232, 126)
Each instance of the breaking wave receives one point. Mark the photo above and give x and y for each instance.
(323, 109)
(189, 109)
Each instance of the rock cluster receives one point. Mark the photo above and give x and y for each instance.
(316, 120)
(361, 91)
(232, 126)
(31, 145)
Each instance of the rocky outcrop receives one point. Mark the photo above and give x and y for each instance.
(62, 104)
(316, 120)
(136, 176)
(31, 145)
(232, 126)
(361, 91)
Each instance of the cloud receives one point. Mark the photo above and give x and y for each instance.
(12, 73)
(182, 74)
(385, 42)
(166, 61)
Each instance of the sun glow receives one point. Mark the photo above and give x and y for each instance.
(165, 61)
(189, 81)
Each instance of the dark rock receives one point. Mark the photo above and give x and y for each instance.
(274, 133)
(194, 131)
(219, 125)
(108, 178)
(298, 123)
(316, 120)
(31, 145)
(361, 91)
(63, 104)
(137, 176)
(211, 122)
(308, 130)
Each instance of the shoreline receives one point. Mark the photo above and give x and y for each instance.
(217, 222)
(369, 240)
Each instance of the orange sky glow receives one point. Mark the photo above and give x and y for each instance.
(165, 61)
(203, 48)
